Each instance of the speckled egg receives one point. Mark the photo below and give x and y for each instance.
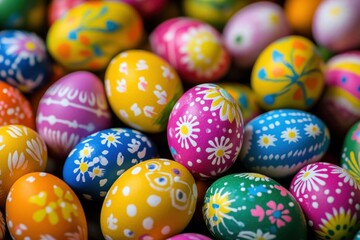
(193, 48)
(23, 60)
(92, 33)
(252, 28)
(160, 208)
(49, 209)
(189, 236)
(99, 159)
(205, 130)
(22, 151)
(341, 16)
(340, 105)
(252, 206)
(280, 142)
(15, 108)
(245, 97)
(329, 197)
(147, 9)
(142, 88)
(58, 8)
(72, 108)
(288, 74)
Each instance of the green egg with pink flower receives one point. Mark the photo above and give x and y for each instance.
(252, 206)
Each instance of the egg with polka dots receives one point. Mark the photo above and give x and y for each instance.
(154, 199)
(329, 197)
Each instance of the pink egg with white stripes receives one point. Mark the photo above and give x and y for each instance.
(74, 107)
(205, 130)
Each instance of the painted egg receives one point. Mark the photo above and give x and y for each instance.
(142, 88)
(329, 197)
(49, 209)
(350, 157)
(99, 159)
(168, 191)
(71, 110)
(339, 16)
(2, 226)
(22, 151)
(189, 236)
(216, 13)
(340, 105)
(193, 48)
(288, 74)
(251, 29)
(92, 33)
(15, 108)
(280, 142)
(147, 9)
(58, 8)
(23, 60)
(205, 130)
(252, 206)
(245, 97)
(357, 237)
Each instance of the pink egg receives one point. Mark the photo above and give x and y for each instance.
(193, 48)
(189, 236)
(205, 130)
(330, 199)
(72, 108)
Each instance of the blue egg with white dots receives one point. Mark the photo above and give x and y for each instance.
(280, 142)
(24, 62)
(99, 159)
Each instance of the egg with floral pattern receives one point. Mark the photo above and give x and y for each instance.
(205, 130)
(252, 206)
(92, 33)
(49, 209)
(329, 197)
(99, 159)
(142, 88)
(193, 48)
(280, 142)
(189, 236)
(22, 151)
(155, 199)
(23, 60)
(288, 74)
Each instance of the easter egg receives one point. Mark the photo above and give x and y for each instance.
(205, 130)
(49, 209)
(142, 88)
(72, 108)
(189, 236)
(251, 29)
(357, 237)
(2, 226)
(15, 108)
(280, 142)
(350, 153)
(99, 159)
(58, 8)
(92, 33)
(341, 16)
(23, 60)
(193, 48)
(252, 206)
(216, 13)
(22, 151)
(147, 9)
(245, 97)
(160, 208)
(329, 197)
(288, 74)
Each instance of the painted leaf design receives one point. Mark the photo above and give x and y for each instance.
(15, 131)
(16, 161)
(35, 149)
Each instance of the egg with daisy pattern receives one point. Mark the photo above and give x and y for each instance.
(280, 142)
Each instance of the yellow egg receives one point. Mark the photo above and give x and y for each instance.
(22, 151)
(142, 89)
(89, 35)
(288, 74)
(42, 206)
(154, 199)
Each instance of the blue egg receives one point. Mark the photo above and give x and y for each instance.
(280, 142)
(99, 159)
(24, 62)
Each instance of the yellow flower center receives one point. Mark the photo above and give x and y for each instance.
(83, 167)
(292, 135)
(30, 46)
(306, 174)
(335, 11)
(266, 140)
(274, 19)
(184, 130)
(314, 129)
(220, 153)
(111, 138)
(96, 171)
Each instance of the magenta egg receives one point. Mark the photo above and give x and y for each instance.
(72, 108)
(146, 8)
(205, 130)
(330, 199)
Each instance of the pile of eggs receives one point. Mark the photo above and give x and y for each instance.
(182, 120)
